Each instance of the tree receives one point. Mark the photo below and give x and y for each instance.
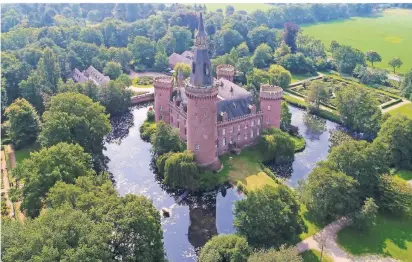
(365, 218)
(406, 85)
(289, 254)
(165, 139)
(32, 90)
(181, 171)
(395, 195)
(225, 40)
(261, 34)
(83, 53)
(298, 64)
(91, 35)
(358, 110)
(317, 94)
(186, 69)
(112, 70)
(276, 145)
(49, 70)
(143, 51)
(161, 59)
(290, 32)
(124, 80)
(23, 123)
(57, 235)
(115, 97)
(61, 162)
(283, 50)
(13, 70)
(346, 58)
(329, 194)
(395, 62)
(269, 216)
(183, 38)
(337, 138)
(262, 56)
(244, 66)
(395, 134)
(285, 116)
(135, 231)
(256, 77)
(373, 56)
(279, 76)
(243, 49)
(225, 248)
(75, 118)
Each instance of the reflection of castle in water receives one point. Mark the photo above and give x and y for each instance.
(202, 211)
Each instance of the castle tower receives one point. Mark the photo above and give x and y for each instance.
(270, 100)
(201, 105)
(225, 71)
(163, 88)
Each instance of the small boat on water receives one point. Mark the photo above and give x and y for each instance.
(166, 212)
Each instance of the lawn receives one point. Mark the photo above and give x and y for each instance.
(404, 174)
(22, 154)
(403, 110)
(298, 77)
(238, 6)
(312, 255)
(388, 34)
(392, 236)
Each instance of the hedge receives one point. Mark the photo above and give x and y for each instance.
(397, 101)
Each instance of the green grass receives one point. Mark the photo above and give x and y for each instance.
(298, 77)
(313, 255)
(392, 236)
(249, 8)
(23, 153)
(404, 174)
(312, 227)
(388, 34)
(405, 110)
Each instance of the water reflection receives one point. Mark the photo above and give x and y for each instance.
(315, 126)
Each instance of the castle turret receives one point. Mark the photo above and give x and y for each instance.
(270, 100)
(225, 71)
(163, 88)
(201, 105)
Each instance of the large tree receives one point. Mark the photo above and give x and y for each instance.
(75, 118)
(61, 162)
(406, 85)
(276, 145)
(329, 194)
(181, 171)
(23, 123)
(115, 97)
(290, 33)
(346, 58)
(395, 62)
(396, 135)
(91, 35)
(261, 34)
(32, 90)
(225, 248)
(112, 70)
(395, 195)
(13, 71)
(143, 51)
(269, 216)
(262, 57)
(165, 139)
(317, 94)
(183, 38)
(49, 70)
(359, 110)
(57, 235)
(161, 59)
(279, 76)
(225, 40)
(135, 229)
(373, 56)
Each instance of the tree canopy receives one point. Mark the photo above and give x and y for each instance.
(225, 248)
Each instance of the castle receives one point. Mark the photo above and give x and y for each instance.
(214, 116)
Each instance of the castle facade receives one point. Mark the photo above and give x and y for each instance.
(214, 116)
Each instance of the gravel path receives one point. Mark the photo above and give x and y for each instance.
(6, 184)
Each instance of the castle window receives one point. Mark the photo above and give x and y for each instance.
(252, 123)
(197, 147)
(172, 119)
(224, 141)
(217, 143)
(238, 136)
(185, 131)
(251, 133)
(231, 140)
(245, 125)
(245, 136)
(177, 116)
(238, 127)
(160, 117)
(178, 124)
(197, 128)
(259, 122)
(224, 131)
(231, 129)
(205, 69)
(257, 132)
(193, 67)
(161, 107)
(268, 108)
(268, 121)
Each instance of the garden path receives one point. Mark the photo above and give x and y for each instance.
(6, 184)
(328, 236)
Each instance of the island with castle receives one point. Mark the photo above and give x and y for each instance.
(214, 116)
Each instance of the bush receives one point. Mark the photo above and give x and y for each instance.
(181, 171)
(147, 130)
(150, 115)
(395, 195)
(277, 145)
(160, 163)
(365, 218)
(225, 248)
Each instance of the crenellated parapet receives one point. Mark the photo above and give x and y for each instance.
(270, 92)
(206, 93)
(225, 71)
(163, 82)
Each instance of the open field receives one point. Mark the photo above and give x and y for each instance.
(392, 236)
(388, 34)
(238, 6)
(403, 110)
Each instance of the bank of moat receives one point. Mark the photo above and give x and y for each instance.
(214, 116)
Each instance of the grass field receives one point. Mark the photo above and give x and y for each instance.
(404, 174)
(238, 6)
(312, 255)
(23, 153)
(392, 236)
(388, 34)
(403, 110)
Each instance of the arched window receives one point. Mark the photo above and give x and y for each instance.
(193, 67)
(205, 69)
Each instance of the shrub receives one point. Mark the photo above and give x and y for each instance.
(277, 145)
(395, 195)
(365, 218)
(150, 115)
(181, 171)
(147, 130)
(225, 248)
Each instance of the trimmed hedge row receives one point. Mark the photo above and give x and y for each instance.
(397, 101)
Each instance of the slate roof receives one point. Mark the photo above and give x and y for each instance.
(97, 77)
(176, 58)
(229, 90)
(78, 76)
(234, 107)
(188, 54)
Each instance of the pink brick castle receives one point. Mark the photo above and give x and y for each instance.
(214, 116)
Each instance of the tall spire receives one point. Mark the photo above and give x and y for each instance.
(201, 75)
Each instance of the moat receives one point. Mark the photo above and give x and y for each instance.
(194, 220)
